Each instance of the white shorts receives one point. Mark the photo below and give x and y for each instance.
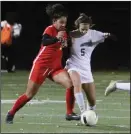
(85, 76)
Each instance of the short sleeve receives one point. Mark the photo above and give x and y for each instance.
(3, 23)
(97, 36)
(48, 31)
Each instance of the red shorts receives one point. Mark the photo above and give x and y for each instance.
(39, 73)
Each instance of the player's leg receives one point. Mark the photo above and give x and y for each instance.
(62, 77)
(76, 80)
(11, 59)
(36, 78)
(111, 88)
(4, 54)
(32, 89)
(123, 86)
(89, 89)
(114, 85)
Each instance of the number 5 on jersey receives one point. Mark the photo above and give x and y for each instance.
(82, 51)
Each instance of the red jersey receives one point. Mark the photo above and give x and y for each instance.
(50, 56)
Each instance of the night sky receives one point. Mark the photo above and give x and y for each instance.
(113, 17)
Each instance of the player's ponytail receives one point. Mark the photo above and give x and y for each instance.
(56, 11)
(83, 18)
(49, 10)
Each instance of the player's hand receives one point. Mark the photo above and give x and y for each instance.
(106, 35)
(110, 36)
(64, 44)
(60, 35)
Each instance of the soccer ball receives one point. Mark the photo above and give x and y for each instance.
(89, 118)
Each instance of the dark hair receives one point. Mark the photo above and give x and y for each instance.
(56, 11)
(83, 18)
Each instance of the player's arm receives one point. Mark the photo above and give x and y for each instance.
(99, 37)
(66, 51)
(110, 36)
(3, 23)
(64, 40)
(17, 28)
(64, 43)
(48, 40)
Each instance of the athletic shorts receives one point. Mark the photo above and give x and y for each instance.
(39, 73)
(85, 75)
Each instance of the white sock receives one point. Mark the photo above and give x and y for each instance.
(123, 86)
(91, 107)
(80, 101)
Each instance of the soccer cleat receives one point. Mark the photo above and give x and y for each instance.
(111, 88)
(72, 116)
(9, 118)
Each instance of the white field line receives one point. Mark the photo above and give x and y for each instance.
(57, 101)
(32, 102)
(37, 101)
(62, 115)
(4, 71)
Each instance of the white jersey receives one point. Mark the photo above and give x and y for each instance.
(16, 28)
(82, 49)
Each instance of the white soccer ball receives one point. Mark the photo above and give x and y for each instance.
(89, 118)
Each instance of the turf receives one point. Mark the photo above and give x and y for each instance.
(49, 116)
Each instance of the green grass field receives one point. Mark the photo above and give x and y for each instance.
(46, 113)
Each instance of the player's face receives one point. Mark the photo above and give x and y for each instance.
(84, 27)
(60, 23)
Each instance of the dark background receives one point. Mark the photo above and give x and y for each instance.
(113, 17)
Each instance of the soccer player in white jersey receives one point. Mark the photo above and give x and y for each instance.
(117, 85)
(84, 41)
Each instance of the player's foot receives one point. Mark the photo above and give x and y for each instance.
(72, 116)
(9, 118)
(111, 88)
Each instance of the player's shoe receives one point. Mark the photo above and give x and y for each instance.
(72, 116)
(111, 88)
(9, 118)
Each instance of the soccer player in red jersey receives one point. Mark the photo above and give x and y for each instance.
(47, 64)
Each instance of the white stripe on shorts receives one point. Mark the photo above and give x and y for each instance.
(36, 60)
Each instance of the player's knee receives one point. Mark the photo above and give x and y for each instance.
(76, 84)
(76, 81)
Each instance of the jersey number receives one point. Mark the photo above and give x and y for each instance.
(82, 51)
